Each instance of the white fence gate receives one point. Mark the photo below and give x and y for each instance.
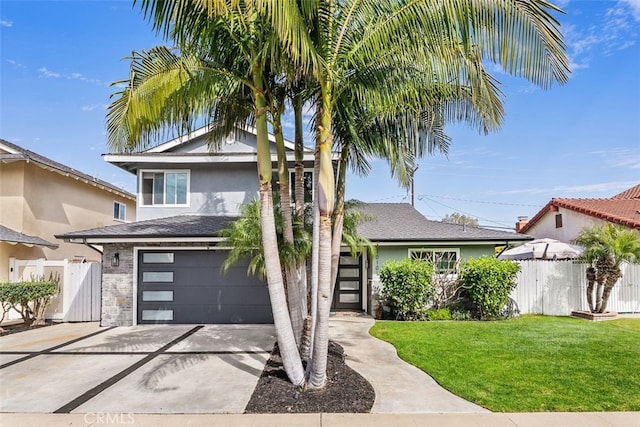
(80, 286)
(559, 287)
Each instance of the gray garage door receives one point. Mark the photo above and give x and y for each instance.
(189, 287)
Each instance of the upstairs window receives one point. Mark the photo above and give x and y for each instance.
(307, 185)
(558, 220)
(445, 261)
(165, 188)
(119, 211)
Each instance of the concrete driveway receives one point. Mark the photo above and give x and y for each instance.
(83, 368)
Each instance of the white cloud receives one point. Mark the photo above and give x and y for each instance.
(6, 23)
(619, 157)
(90, 107)
(44, 72)
(615, 31)
(15, 64)
(47, 73)
(634, 5)
(603, 189)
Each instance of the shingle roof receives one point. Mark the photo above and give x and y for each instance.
(632, 193)
(175, 226)
(11, 236)
(623, 208)
(388, 222)
(402, 222)
(24, 154)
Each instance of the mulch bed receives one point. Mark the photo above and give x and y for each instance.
(345, 391)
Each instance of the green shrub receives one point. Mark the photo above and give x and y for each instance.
(439, 314)
(488, 282)
(460, 315)
(30, 299)
(407, 287)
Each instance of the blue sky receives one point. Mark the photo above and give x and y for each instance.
(57, 60)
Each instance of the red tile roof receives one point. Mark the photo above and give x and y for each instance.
(616, 210)
(632, 193)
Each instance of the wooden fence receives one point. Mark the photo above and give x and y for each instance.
(80, 284)
(559, 287)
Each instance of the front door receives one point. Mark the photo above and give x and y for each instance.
(348, 290)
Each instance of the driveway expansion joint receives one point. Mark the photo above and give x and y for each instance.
(32, 354)
(83, 398)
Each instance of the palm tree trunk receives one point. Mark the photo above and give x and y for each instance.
(603, 266)
(338, 216)
(591, 279)
(284, 332)
(314, 259)
(299, 155)
(612, 279)
(326, 195)
(296, 310)
(301, 264)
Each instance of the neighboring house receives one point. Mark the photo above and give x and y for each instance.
(40, 198)
(165, 268)
(562, 219)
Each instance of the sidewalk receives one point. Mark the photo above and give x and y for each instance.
(573, 419)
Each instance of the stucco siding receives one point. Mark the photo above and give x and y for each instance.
(11, 193)
(572, 223)
(42, 203)
(219, 191)
(240, 142)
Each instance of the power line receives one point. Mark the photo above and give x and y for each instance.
(459, 200)
(461, 211)
(480, 201)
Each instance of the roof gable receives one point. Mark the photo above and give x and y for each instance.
(616, 210)
(195, 149)
(242, 140)
(631, 193)
(10, 152)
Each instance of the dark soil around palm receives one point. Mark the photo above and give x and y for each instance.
(345, 391)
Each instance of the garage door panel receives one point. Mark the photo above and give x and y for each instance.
(205, 275)
(221, 314)
(187, 286)
(221, 295)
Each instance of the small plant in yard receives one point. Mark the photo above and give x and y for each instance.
(488, 282)
(30, 299)
(439, 314)
(407, 287)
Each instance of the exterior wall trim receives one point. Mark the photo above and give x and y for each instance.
(103, 240)
(445, 243)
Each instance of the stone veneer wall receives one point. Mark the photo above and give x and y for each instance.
(117, 282)
(117, 286)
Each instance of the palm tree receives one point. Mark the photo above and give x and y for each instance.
(328, 42)
(606, 248)
(450, 39)
(238, 61)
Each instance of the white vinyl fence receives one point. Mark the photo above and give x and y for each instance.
(559, 287)
(80, 283)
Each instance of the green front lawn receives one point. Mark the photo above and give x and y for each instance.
(531, 363)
